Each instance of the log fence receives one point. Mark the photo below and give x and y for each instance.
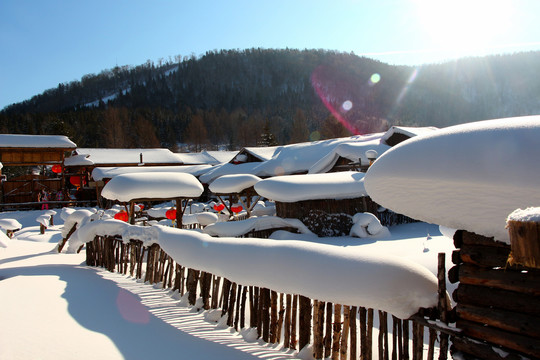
(334, 331)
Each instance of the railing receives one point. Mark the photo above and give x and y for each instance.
(332, 330)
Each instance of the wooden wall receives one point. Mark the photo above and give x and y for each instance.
(498, 305)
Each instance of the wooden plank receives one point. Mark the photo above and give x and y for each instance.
(512, 321)
(497, 298)
(527, 282)
(482, 350)
(486, 256)
(521, 343)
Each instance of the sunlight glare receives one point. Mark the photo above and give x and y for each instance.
(462, 25)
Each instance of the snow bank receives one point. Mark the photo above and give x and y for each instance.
(341, 275)
(238, 228)
(77, 217)
(469, 176)
(233, 183)
(157, 185)
(292, 188)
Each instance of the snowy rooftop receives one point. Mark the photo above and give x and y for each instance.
(407, 131)
(292, 188)
(294, 158)
(101, 156)
(469, 176)
(100, 173)
(36, 141)
(354, 151)
(199, 158)
(158, 185)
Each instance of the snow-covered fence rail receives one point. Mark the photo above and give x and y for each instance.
(279, 306)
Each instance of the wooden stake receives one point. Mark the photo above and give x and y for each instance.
(345, 333)
(336, 338)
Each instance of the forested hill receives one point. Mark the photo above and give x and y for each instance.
(232, 97)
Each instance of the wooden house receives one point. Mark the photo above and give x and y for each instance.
(40, 152)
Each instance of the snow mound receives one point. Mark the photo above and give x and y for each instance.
(531, 214)
(10, 224)
(369, 279)
(367, 225)
(233, 183)
(468, 176)
(127, 187)
(292, 188)
(238, 228)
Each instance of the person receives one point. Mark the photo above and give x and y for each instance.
(44, 199)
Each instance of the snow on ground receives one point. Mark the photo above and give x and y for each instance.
(66, 310)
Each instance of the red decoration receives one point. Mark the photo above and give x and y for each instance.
(57, 169)
(219, 207)
(171, 214)
(236, 209)
(122, 215)
(75, 180)
(141, 206)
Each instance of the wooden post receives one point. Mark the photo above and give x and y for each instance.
(363, 333)
(336, 338)
(345, 333)
(265, 314)
(442, 303)
(215, 292)
(369, 354)
(525, 243)
(294, 321)
(232, 300)
(243, 311)
(192, 280)
(329, 330)
(304, 321)
(273, 317)
(281, 312)
(318, 324)
(287, 330)
(238, 309)
(354, 335)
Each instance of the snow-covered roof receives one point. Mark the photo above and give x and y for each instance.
(100, 173)
(469, 176)
(197, 158)
(292, 188)
(406, 132)
(263, 153)
(222, 156)
(233, 183)
(354, 151)
(102, 156)
(78, 160)
(158, 185)
(36, 141)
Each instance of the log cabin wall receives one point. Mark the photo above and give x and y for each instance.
(498, 305)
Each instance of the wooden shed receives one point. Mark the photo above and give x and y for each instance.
(32, 151)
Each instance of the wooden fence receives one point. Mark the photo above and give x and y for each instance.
(335, 331)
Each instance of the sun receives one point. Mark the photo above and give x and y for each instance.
(462, 26)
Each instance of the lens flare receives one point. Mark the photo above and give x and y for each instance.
(347, 105)
(131, 309)
(374, 79)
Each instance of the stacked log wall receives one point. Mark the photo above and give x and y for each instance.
(498, 305)
(334, 330)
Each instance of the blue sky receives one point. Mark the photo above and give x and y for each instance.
(44, 43)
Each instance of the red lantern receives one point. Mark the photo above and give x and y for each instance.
(171, 214)
(141, 206)
(236, 209)
(122, 215)
(75, 180)
(57, 169)
(219, 207)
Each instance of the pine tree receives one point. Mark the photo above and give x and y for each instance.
(267, 138)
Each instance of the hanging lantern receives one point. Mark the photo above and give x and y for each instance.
(236, 209)
(171, 214)
(219, 207)
(75, 180)
(121, 215)
(57, 169)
